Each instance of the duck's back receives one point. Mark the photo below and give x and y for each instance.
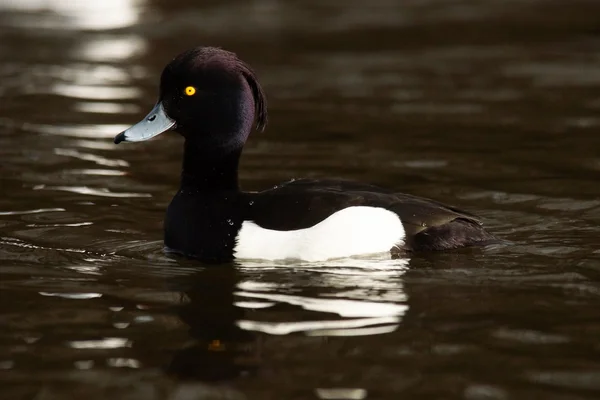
(321, 213)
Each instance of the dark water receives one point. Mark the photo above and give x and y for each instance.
(493, 106)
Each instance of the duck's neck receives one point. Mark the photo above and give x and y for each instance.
(209, 170)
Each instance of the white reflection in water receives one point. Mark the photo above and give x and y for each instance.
(82, 91)
(587, 379)
(112, 48)
(373, 298)
(36, 211)
(91, 157)
(106, 343)
(143, 318)
(376, 330)
(86, 269)
(97, 107)
(341, 393)
(313, 327)
(94, 144)
(101, 192)
(123, 362)
(81, 131)
(59, 225)
(85, 73)
(73, 296)
(344, 308)
(96, 84)
(7, 364)
(98, 172)
(82, 14)
(253, 304)
(84, 364)
(255, 285)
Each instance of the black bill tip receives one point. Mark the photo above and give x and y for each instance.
(120, 137)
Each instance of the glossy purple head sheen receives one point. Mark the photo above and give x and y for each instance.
(227, 102)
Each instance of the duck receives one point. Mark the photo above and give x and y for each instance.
(214, 100)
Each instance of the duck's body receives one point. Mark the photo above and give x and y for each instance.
(212, 98)
(313, 220)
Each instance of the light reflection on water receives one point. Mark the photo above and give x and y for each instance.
(80, 131)
(85, 190)
(99, 92)
(91, 157)
(106, 107)
(111, 49)
(76, 15)
(106, 343)
(371, 290)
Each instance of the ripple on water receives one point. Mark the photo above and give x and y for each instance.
(80, 131)
(98, 172)
(106, 343)
(557, 74)
(106, 107)
(103, 92)
(582, 379)
(484, 392)
(91, 157)
(529, 336)
(72, 296)
(93, 144)
(101, 192)
(112, 48)
(341, 393)
(36, 211)
(8, 241)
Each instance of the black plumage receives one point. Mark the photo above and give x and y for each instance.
(206, 226)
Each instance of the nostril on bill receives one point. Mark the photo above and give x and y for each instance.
(152, 118)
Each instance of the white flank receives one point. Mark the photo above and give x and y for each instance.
(349, 232)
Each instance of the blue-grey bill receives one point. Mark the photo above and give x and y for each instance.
(155, 123)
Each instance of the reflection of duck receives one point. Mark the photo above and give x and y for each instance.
(225, 307)
(213, 99)
(356, 298)
(220, 350)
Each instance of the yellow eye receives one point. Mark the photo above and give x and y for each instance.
(190, 91)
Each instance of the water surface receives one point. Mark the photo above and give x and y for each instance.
(493, 106)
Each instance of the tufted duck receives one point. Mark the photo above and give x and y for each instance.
(213, 99)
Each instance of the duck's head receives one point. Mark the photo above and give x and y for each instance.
(209, 96)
